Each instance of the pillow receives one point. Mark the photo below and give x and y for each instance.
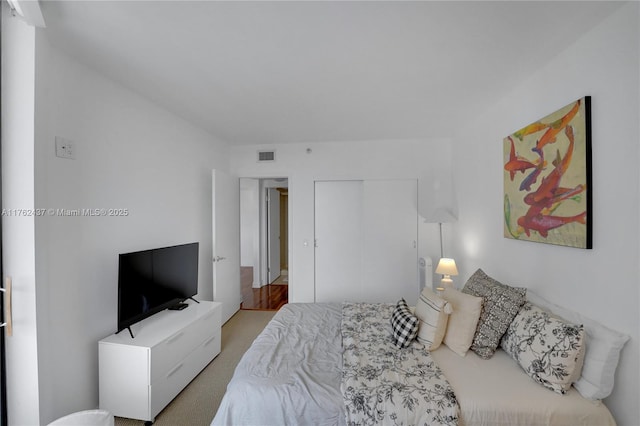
(601, 355)
(463, 320)
(501, 305)
(403, 324)
(432, 311)
(549, 349)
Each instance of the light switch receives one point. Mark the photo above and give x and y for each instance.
(65, 148)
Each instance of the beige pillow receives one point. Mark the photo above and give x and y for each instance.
(432, 311)
(463, 321)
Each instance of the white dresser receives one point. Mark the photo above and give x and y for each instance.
(139, 376)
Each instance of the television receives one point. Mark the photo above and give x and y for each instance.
(150, 281)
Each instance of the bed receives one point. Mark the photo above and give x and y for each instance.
(335, 364)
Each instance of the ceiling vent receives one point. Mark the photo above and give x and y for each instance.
(266, 156)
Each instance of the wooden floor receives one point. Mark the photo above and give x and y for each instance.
(271, 297)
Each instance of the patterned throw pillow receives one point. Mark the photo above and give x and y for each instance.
(601, 354)
(548, 349)
(404, 325)
(501, 305)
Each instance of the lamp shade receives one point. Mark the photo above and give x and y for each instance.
(440, 215)
(447, 266)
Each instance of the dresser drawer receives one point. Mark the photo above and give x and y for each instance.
(175, 348)
(167, 386)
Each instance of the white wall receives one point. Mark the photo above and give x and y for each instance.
(429, 161)
(603, 282)
(133, 155)
(18, 239)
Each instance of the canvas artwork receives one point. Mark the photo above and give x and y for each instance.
(547, 179)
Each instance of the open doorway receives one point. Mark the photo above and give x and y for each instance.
(264, 252)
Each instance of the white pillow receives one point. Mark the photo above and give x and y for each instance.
(432, 311)
(463, 320)
(602, 351)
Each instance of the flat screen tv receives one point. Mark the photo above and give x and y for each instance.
(150, 281)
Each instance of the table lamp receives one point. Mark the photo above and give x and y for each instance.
(446, 267)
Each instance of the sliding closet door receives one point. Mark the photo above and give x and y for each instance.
(366, 233)
(390, 240)
(338, 240)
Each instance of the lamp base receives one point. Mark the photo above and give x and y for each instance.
(446, 281)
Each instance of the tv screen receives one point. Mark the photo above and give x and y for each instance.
(150, 281)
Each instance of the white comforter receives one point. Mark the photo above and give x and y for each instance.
(291, 374)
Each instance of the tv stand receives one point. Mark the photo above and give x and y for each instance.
(139, 377)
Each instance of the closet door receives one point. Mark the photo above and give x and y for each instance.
(338, 240)
(366, 240)
(390, 241)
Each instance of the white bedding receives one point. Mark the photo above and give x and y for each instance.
(497, 392)
(291, 375)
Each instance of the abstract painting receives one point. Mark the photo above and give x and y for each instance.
(547, 178)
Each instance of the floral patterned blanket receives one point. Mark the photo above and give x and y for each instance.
(385, 385)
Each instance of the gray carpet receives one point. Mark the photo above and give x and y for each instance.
(198, 402)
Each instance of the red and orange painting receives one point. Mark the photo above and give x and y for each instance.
(547, 179)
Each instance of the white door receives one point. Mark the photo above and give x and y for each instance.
(390, 240)
(366, 240)
(273, 233)
(226, 242)
(338, 240)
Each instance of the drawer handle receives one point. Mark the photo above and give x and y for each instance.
(172, 372)
(210, 340)
(176, 337)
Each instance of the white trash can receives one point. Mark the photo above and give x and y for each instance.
(85, 418)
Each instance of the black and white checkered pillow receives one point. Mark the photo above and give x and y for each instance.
(404, 325)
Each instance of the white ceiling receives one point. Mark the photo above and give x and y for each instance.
(302, 71)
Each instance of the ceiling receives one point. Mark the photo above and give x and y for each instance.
(303, 71)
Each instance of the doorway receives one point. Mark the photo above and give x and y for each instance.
(264, 253)
(278, 235)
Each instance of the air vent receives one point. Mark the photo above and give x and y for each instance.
(266, 156)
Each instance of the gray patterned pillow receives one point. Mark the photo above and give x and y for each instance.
(501, 305)
(549, 349)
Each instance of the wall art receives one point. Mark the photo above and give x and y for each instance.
(547, 179)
